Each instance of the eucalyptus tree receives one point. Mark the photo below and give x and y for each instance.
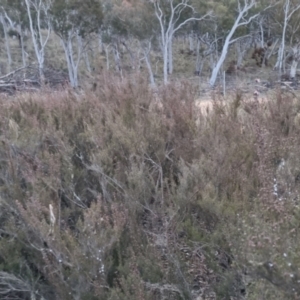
(38, 12)
(245, 13)
(115, 32)
(295, 56)
(74, 21)
(290, 9)
(206, 44)
(172, 15)
(15, 17)
(6, 39)
(209, 34)
(133, 26)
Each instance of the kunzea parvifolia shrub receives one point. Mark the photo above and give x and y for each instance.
(150, 198)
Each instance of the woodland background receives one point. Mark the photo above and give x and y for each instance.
(115, 184)
(55, 42)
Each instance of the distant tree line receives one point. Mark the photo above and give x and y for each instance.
(212, 28)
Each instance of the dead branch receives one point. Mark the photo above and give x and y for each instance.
(170, 288)
(28, 79)
(10, 284)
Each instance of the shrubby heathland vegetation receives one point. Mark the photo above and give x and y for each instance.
(117, 181)
(151, 200)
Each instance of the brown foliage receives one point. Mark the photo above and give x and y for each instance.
(152, 199)
(259, 54)
(233, 68)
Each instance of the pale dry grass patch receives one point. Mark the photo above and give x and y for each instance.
(206, 103)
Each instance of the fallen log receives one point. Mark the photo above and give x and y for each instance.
(28, 79)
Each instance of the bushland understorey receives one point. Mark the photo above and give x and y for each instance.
(149, 197)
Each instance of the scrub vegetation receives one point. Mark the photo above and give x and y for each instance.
(152, 198)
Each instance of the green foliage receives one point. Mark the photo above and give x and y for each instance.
(16, 10)
(73, 15)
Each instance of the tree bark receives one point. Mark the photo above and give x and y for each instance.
(87, 61)
(238, 22)
(170, 55)
(288, 12)
(167, 30)
(39, 43)
(295, 62)
(165, 58)
(24, 54)
(2, 20)
(293, 68)
(191, 41)
(148, 63)
(199, 61)
(117, 58)
(282, 47)
(106, 48)
(220, 62)
(71, 62)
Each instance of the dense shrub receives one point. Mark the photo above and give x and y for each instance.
(152, 199)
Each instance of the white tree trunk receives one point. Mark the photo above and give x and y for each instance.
(238, 22)
(191, 41)
(165, 58)
(296, 58)
(278, 58)
(2, 20)
(220, 62)
(242, 46)
(87, 61)
(24, 53)
(19, 30)
(212, 61)
(117, 58)
(132, 59)
(168, 29)
(273, 49)
(293, 69)
(282, 46)
(170, 56)
(71, 62)
(198, 59)
(38, 41)
(240, 55)
(106, 49)
(101, 44)
(288, 12)
(69, 58)
(148, 63)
